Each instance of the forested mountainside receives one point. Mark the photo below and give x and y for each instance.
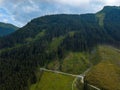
(50, 39)
(6, 29)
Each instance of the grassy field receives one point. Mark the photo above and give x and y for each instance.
(106, 74)
(53, 81)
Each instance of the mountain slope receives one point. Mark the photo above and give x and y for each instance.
(106, 74)
(85, 27)
(6, 29)
(111, 20)
(50, 41)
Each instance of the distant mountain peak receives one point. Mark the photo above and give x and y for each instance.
(108, 9)
(6, 28)
(111, 7)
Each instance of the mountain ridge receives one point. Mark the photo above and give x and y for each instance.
(6, 28)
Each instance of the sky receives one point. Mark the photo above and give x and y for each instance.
(20, 12)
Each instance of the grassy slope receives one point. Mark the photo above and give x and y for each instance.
(101, 16)
(55, 43)
(53, 81)
(75, 63)
(106, 74)
(38, 36)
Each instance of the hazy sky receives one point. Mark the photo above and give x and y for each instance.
(19, 12)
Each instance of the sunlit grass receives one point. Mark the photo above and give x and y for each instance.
(106, 74)
(53, 81)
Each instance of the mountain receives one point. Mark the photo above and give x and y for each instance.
(111, 15)
(6, 29)
(66, 43)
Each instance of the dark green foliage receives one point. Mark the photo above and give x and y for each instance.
(6, 29)
(26, 49)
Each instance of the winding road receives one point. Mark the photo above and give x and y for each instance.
(73, 75)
